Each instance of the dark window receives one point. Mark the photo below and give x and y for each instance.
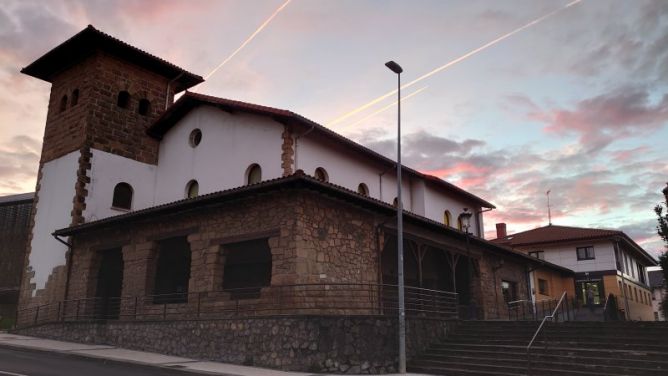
(585, 253)
(626, 264)
(321, 174)
(538, 254)
(75, 98)
(395, 202)
(254, 174)
(247, 268)
(123, 99)
(447, 217)
(195, 137)
(172, 271)
(542, 287)
(363, 189)
(509, 290)
(618, 258)
(144, 107)
(641, 274)
(192, 189)
(63, 103)
(122, 196)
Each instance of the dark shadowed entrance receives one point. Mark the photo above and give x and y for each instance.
(109, 284)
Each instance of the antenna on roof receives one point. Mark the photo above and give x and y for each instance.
(549, 213)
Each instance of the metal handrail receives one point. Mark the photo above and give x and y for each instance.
(540, 327)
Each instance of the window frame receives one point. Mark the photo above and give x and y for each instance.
(512, 288)
(324, 175)
(587, 255)
(192, 183)
(543, 287)
(537, 254)
(447, 218)
(123, 99)
(249, 174)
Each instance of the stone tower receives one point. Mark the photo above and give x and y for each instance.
(104, 95)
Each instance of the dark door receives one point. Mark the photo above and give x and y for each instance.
(109, 284)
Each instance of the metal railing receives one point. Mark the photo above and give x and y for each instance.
(536, 310)
(553, 317)
(297, 299)
(611, 310)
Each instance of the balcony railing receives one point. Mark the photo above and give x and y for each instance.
(298, 299)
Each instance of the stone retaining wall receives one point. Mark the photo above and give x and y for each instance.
(335, 344)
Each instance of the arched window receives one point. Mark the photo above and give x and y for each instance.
(460, 224)
(122, 196)
(192, 189)
(254, 174)
(447, 217)
(395, 202)
(123, 99)
(63, 103)
(75, 98)
(144, 107)
(363, 189)
(321, 174)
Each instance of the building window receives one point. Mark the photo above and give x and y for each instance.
(395, 202)
(75, 98)
(192, 189)
(542, 286)
(123, 99)
(635, 290)
(321, 174)
(509, 291)
(144, 107)
(626, 264)
(122, 196)
(621, 289)
(254, 174)
(538, 254)
(172, 271)
(363, 189)
(585, 253)
(460, 224)
(641, 274)
(447, 217)
(656, 316)
(195, 138)
(247, 268)
(63, 103)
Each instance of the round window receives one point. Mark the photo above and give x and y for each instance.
(195, 137)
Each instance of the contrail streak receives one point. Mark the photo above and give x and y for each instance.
(453, 62)
(249, 39)
(386, 107)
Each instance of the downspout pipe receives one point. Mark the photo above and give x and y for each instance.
(69, 263)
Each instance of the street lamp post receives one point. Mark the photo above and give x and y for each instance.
(465, 217)
(394, 67)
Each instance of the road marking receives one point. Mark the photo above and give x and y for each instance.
(11, 373)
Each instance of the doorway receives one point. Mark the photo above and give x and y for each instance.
(109, 284)
(596, 286)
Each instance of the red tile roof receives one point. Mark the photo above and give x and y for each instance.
(191, 100)
(561, 234)
(89, 40)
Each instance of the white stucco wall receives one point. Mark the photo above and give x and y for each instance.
(566, 256)
(230, 144)
(106, 171)
(54, 207)
(437, 202)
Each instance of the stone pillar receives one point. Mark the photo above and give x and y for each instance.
(139, 266)
(206, 265)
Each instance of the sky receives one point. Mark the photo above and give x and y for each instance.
(576, 103)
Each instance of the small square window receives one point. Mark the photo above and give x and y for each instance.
(585, 253)
(538, 254)
(542, 287)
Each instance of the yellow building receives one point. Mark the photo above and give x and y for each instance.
(605, 262)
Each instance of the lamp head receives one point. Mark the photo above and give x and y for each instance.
(466, 219)
(394, 67)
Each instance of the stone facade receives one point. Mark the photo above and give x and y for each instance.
(333, 344)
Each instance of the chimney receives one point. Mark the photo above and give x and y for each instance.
(501, 230)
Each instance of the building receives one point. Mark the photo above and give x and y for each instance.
(658, 286)
(205, 207)
(14, 217)
(605, 261)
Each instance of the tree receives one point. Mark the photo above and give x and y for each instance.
(662, 230)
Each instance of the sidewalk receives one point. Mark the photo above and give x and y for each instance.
(139, 357)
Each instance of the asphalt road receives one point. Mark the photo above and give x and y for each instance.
(16, 362)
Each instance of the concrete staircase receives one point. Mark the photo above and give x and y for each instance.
(573, 348)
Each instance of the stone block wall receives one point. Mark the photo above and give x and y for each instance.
(333, 344)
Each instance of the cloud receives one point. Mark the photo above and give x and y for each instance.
(19, 159)
(600, 120)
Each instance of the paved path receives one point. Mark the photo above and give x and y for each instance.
(30, 356)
